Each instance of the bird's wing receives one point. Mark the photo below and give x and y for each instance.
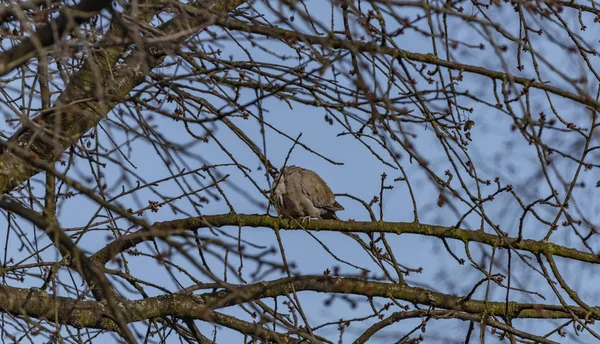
(335, 206)
(317, 190)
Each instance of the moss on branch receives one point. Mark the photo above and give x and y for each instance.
(39, 304)
(465, 235)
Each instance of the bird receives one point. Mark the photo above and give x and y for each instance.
(301, 193)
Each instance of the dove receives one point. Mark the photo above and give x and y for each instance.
(301, 193)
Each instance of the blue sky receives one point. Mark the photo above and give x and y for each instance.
(496, 150)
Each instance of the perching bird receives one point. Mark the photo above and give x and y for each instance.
(301, 193)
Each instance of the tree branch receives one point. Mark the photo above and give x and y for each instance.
(44, 37)
(92, 314)
(9, 11)
(374, 48)
(89, 270)
(75, 113)
(466, 235)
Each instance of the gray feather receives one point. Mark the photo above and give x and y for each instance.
(302, 193)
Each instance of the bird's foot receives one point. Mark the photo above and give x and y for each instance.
(304, 220)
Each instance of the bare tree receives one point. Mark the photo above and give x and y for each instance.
(143, 139)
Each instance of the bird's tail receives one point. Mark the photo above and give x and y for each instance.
(336, 207)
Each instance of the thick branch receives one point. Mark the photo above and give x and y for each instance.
(91, 314)
(466, 235)
(44, 37)
(89, 270)
(73, 116)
